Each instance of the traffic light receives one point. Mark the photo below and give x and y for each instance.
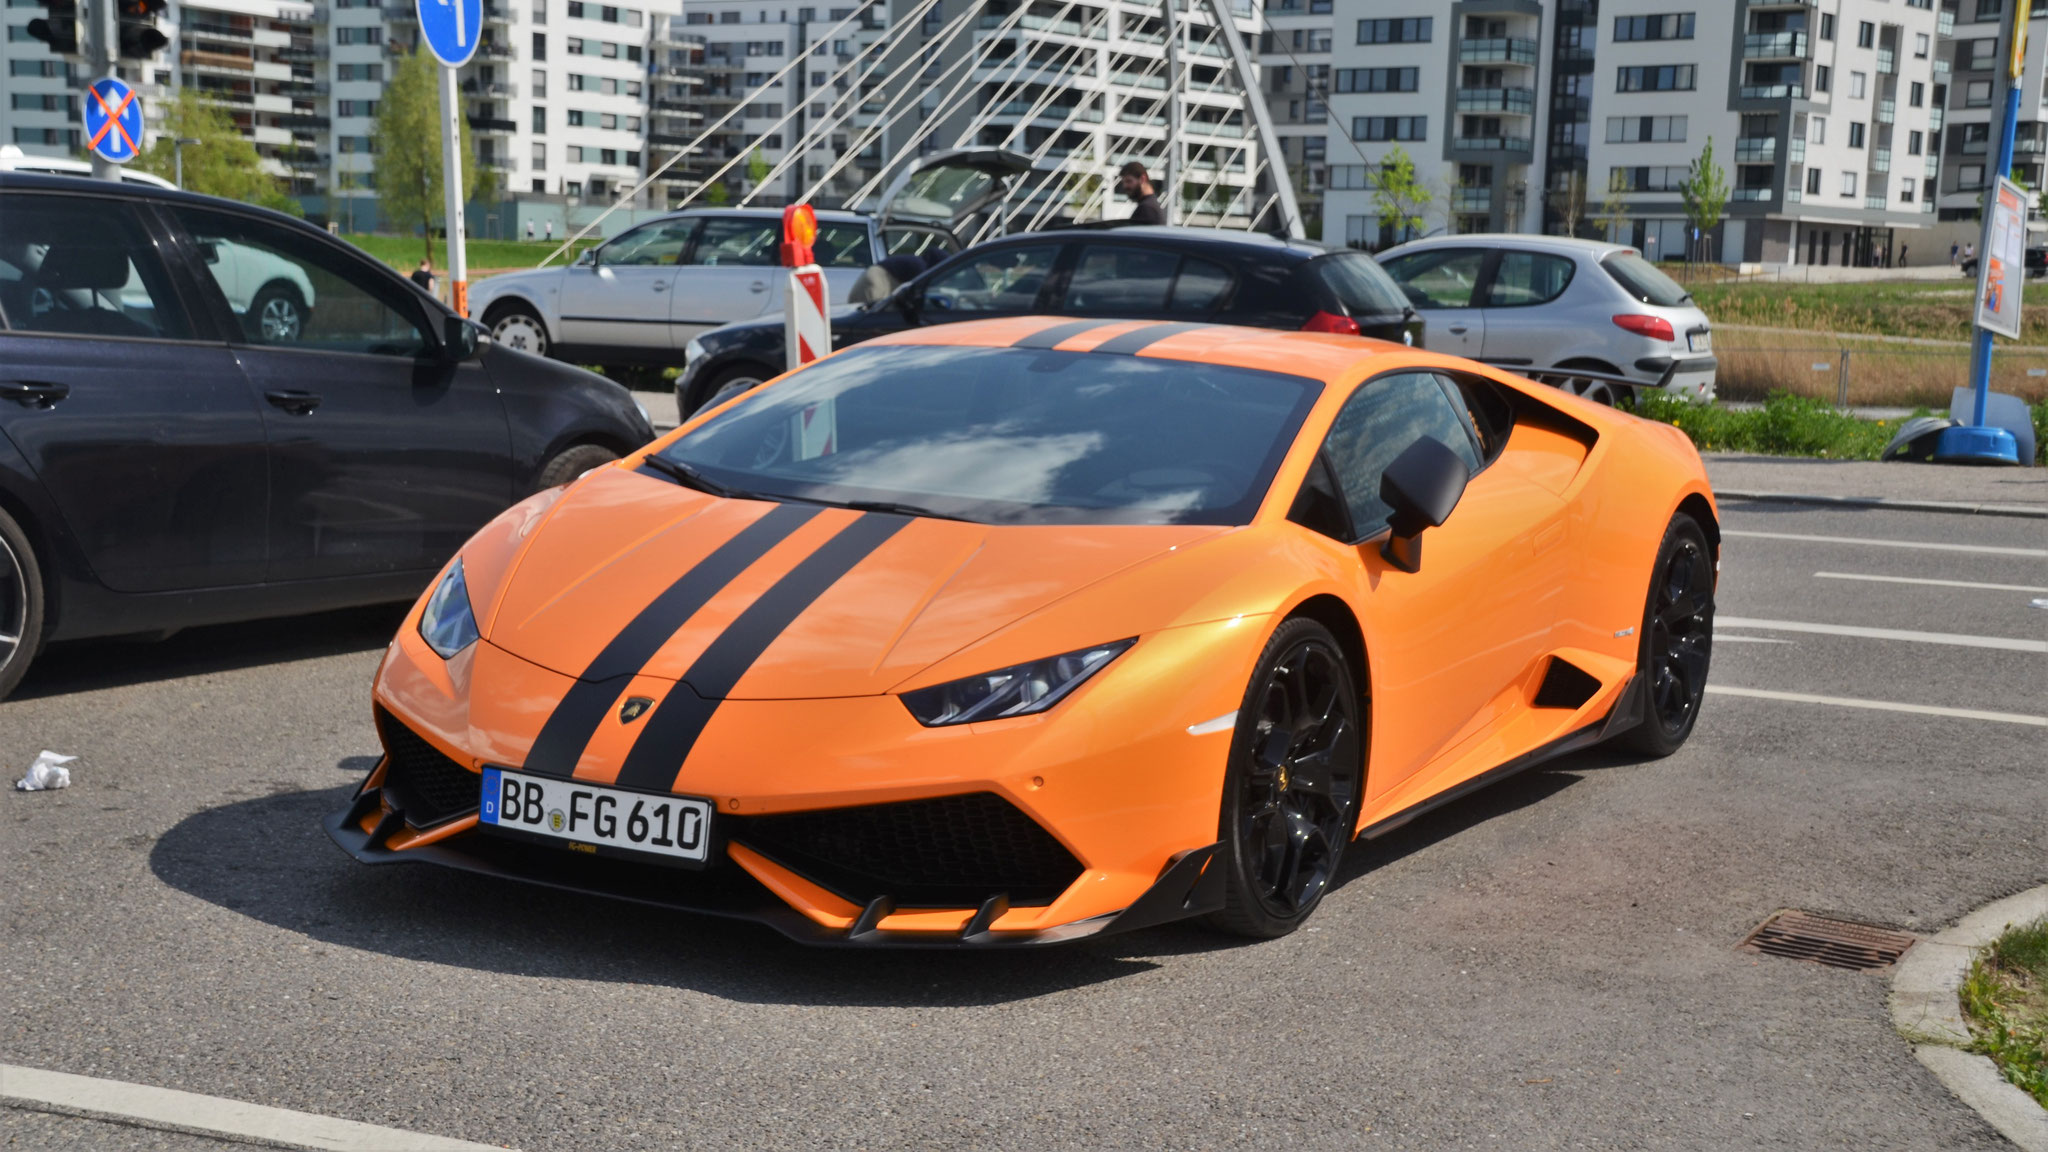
(59, 29)
(139, 36)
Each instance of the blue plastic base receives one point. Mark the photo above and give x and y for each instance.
(1972, 444)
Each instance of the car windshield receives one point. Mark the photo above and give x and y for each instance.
(1361, 284)
(1011, 436)
(1640, 279)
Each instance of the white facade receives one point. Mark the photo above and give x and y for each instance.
(1294, 66)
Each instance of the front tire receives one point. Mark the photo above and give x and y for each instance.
(279, 312)
(1677, 641)
(730, 382)
(518, 327)
(1291, 792)
(21, 604)
(571, 463)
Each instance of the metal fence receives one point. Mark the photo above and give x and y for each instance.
(1874, 375)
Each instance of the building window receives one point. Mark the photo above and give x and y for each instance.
(1919, 45)
(1655, 78)
(540, 83)
(1645, 129)
(1905, 191)
(1977, 94)
(1360, 231)
(540, 120)
(1848, 184)
(1969, 178)
(1406, 30)
(1823, 78)
(1979, 55)
(1855, 134)
(1916, 94)
(1990, 9)
(1348, 178)
(1866, 34)
(1827, 25)
(1676, 26)
(1859, 83)
(1390, 128)
(1817, 132)
(1813, 181)
(1667, 178)
(1376, 79)
(1916, 143)
(575, 117)
(540, 45)
(540, 157)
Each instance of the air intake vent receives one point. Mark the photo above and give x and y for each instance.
(423, 783)
(1796, 935)
(1565, 685)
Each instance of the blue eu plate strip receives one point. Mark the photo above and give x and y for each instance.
(493, 788)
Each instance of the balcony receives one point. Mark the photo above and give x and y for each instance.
(493, 125)
(1774, 46)
(1887, 62)
(1491, 144)
(497, 89)
(1874, 203)
(1773, 92)
(1880, 160)
(1945, 24)
(217, 62)
(497, 13)
(1471, 199)
(1941, 69)
(1752, 195)
(1927, 206)
(1935, 117)
(1933, 165)
(1793, 195)
(215, 31)
(1796, 152)
(494, 52)
(1496, 50)
(1517, 101)
(1756, 150)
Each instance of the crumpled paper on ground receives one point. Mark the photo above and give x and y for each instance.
(48, 771)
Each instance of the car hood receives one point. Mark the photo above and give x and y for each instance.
(633, 575)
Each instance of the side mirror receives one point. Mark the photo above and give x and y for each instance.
(458, 339)
(1422, 486)
(209, 251)
(586, 259)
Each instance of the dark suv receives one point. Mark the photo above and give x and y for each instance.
(212, 412)
(1143, 273)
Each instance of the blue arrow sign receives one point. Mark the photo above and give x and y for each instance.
(113, 120)
(451, 28)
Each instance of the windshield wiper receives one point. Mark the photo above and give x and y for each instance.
(894, 506)
(690, 477)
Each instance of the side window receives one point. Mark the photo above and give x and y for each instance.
(1525, 278)
(1377, 424)
(82, 266)
(1439, 278)
(731, 240)
(659, 243)
(1111, 278)
(1492, 417)
(292, 291)
(843, 245)
(993, 280)
(1201, 287)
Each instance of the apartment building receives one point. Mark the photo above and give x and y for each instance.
(1974, 60)
(1294, 68)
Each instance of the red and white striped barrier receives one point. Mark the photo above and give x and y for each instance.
(807, 327)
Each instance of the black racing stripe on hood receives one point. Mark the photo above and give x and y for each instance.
(567, 732)
(668, 735)
(1138, 339)
(1059, 333)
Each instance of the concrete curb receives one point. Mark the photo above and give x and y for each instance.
(1927, 1010)
(2030, 511)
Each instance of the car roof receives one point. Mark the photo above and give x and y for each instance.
(1519, 241)
(1317, 355)
(1232, 240)
(13, 159)
(833, 214)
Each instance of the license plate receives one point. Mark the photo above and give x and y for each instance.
(1700, 341)
(678, 826)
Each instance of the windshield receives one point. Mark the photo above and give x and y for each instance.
(1011, 436)
(1640, 279)
(1360, 284)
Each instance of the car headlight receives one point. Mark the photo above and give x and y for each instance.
(449, 625)
(1015, 691)
(693, 358)
(694, 350)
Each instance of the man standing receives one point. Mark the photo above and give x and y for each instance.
(1953, 248)
(424, 276)
(529, 229)
(1135, 184)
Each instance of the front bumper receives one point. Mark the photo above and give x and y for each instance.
(1187, 887)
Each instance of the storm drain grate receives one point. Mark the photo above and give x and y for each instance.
(1797, 935)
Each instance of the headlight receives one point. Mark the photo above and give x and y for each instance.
(448, 625)
(693, 357)
(1016, 691)
(694, 350)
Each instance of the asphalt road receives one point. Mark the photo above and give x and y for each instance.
(1548, 964)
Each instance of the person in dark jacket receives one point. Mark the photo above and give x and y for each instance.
(424, 275)
(1136, 184)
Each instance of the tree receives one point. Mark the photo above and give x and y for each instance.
(717, 196)
(407, 143)
(1614, 209)
(1705, 191)
(757, 170)
(224, 163)
(1569, 201)
(1397, 195)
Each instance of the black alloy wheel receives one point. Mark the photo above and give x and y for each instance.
(1291, 792)
(1677, 640)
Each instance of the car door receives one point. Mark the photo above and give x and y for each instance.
(1446, 285)
(732, 272)
(620, 299)
(1523, 326)
(127, 404)
(384, 456)
(1447, 643)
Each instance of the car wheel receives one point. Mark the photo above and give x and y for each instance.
(1677, 642)
(1598, 391)
(279, 312)
(1291, 791)
(730, 382)
(518, 327)
(571, 463)
(21, 604)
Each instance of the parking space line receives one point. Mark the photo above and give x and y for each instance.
(1985, 548)
(1958, 640)
(1922, 580)
(1881, 705)
(1720, 639)
(172, 1110)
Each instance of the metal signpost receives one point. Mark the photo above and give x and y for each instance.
(2000, 277)
(113, 121)
(451, 29)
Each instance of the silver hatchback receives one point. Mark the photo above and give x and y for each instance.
(1545, 305)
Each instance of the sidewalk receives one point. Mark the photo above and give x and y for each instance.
(2002, 489)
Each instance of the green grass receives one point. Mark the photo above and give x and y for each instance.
(2005, 997)
(1936, 310)
(404, 252)
(1791, 425)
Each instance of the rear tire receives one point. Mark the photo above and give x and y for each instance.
(518, 327)
(21, 604)
(1291, 792)
(279, 313)
(573, 462)
(1676, 645)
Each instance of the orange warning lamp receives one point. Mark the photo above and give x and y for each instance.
(799, 232)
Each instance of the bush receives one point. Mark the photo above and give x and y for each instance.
(1787, 425)
(2006, 998)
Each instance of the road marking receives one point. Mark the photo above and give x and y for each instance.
(2001, 642)
(1720, 639)
(1986, 548)
(1936, 583)
(167, 1108)
(1881, 705)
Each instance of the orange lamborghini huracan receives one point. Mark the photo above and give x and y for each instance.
(1018, 631)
